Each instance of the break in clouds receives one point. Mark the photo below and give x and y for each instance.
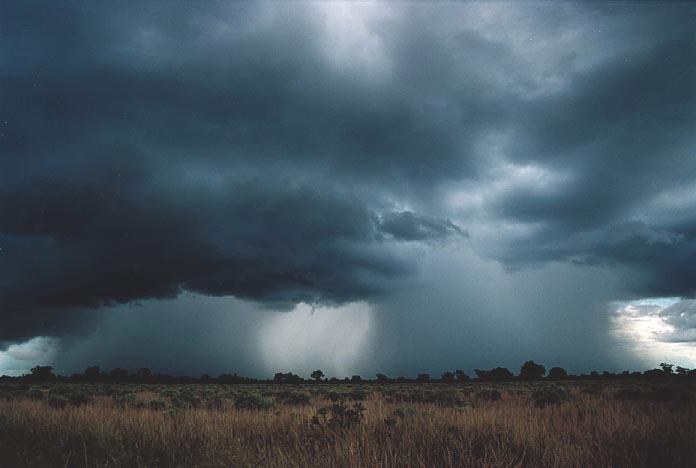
(366, 187)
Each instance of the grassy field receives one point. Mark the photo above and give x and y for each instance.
(571, 424)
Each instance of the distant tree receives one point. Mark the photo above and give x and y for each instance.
(557, 373)
(682, 371)
(654, 373)
(530, 370)
(423, 378)
(499, 374)
(356, 379)
(667, 368)
(381, 378)
(232, 379)
(143, 373)
(118, 374)
(288, 378)
(92, 373)
(42, 373)
(461, 376)
(448, 377)
(317, 375)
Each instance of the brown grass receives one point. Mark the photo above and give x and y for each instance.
(586, 430)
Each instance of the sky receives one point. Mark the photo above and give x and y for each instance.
(358, 187)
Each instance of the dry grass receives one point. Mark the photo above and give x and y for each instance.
(585, 429)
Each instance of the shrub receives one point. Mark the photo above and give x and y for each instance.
(464, 406)
(296, 399)
(56, 401)
(630, 393)
(404, 411)
(78, 398)
(357, 395)
(335, 396)
(339, 415)
(489, 394)
(156, 405)
(550, 395)
(252, 402)
(671, 393)
(35, 394)
(215, 403)
(61, 390)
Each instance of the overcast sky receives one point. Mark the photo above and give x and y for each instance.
(397, 187)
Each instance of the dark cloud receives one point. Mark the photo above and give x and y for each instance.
(302, 152)
(408, 226)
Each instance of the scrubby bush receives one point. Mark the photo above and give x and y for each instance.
(489, 394)
(35, 394)
(252, 401)
(156, 405)
(78, 398)
(549, 395)
(671, 393)
(335, 396)
(656, 393)
(296, 399)
(339, 415)
(56, 401)
(215, 403)
(404, 411)
(189, 400)
(61, 390)
(630, 393)
(358, 394)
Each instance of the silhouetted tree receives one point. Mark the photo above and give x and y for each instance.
(119, 375)
(288, 378)
(143, 373)
(381, 378)
(423, 378)
(557, 373)
(682, 371)
(499, 374)
(461, 376)
(42, 373)
(356, 379)
(448, 377)
(317, 375)
(92, 373)
(654, 373)
(530, 370)
(667, 368)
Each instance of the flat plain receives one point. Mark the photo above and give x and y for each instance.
(560, 424)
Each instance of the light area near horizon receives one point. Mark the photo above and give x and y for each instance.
(332, 339)
(338, 339)
(642, 329)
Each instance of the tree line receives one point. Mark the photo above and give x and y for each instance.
(530, 370)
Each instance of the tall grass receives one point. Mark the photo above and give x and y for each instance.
(586, 429)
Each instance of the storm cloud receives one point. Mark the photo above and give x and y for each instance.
(292, 154)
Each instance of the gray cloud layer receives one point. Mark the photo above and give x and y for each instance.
(287, 152)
